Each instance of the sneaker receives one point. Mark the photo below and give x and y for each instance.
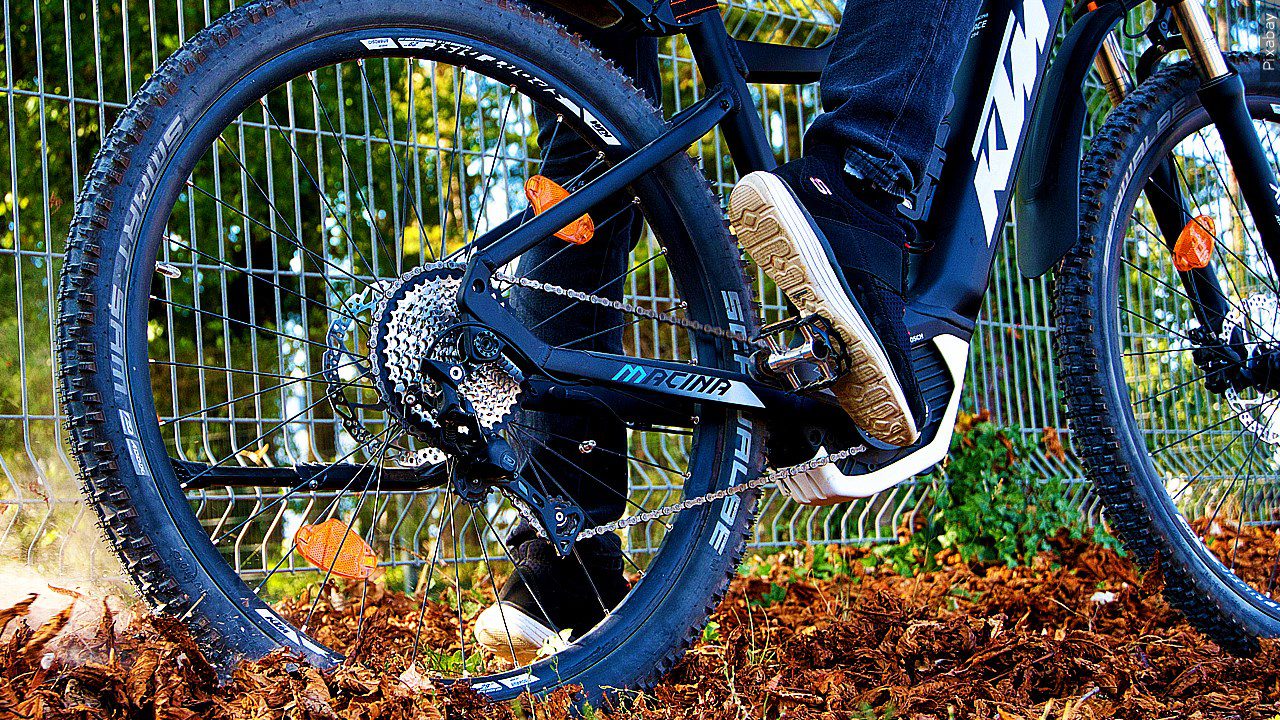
(840, 251)
(549, 601)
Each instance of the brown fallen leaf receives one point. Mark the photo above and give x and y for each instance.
(34, 647)
(1053, 448)
(19, 609)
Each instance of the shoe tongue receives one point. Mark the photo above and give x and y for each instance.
(828, 192)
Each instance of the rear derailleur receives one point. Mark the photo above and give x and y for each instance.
(484, 461)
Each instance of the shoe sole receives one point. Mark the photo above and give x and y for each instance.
(503, 627)
(775, 231)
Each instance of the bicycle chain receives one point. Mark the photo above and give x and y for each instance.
(693, 502)
(644, 312)
(698, 327)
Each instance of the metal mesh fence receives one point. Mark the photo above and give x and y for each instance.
(70, 67)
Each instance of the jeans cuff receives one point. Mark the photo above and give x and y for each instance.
(887, 174)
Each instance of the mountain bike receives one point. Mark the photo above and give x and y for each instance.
(287, 342)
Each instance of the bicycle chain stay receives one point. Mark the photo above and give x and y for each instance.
(694, 326)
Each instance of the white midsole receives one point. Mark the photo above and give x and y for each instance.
(827, 485)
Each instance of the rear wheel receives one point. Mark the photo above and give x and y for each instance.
(267, 246)
(1185, 451)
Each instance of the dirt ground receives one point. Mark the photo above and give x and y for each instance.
(1077, 635)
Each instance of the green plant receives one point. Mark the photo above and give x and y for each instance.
(774, 595)
(990, 504)
(711, 633)
(823, 566)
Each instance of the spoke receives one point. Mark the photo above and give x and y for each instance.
(600, 289)
(550, 476)
(447, 206)
(520, 573)
(1199, 210)
(1200, 473)
(493, 167)
(354, 516)
(341, 139)
(1186, 185)
(246, 323)
(1175, 288)
(585, 572)
(320, 191)
(1194, 379)
(605, 450)
(1233, 416)
(1236, 205)
(232, 401)
(493, 583)
(1170, 330)
(373, 524)
(457, 585)
(315, 256)
(426, 592)
(326, 512)
(298, 488)
(1235, 479)
(250, 273)
(566, 247)
(219, 368)
(273, 428)
(547, 479)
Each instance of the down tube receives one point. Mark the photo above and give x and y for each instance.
(980, 143)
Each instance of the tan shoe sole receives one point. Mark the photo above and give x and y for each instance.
(774, 230)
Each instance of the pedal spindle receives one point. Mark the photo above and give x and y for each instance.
(805, 351)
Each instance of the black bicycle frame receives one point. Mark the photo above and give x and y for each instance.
(961, 205)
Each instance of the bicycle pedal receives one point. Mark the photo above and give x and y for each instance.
(806, 352)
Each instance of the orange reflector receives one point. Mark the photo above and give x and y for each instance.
(543, 192)
(1194, 248)
(324, 545)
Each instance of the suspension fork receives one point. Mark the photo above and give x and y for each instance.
(1222, 94)
(1164, 196)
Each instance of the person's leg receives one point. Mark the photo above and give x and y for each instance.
(573, 593)
(886, 86)
(826, 227)
(596, 480)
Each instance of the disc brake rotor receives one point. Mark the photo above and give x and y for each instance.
(1257, 319)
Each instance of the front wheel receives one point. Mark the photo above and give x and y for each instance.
(1165, 347)
(266, 251)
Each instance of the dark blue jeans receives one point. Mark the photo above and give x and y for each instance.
(884, 92)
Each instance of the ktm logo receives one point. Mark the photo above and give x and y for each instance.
(1005, 112)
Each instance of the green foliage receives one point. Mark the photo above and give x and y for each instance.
(991, 504)
(776, 594)
(867, 712)
(452, 664)
(711, 633)
(822, 567)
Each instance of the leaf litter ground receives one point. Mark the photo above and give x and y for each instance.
(813, 633)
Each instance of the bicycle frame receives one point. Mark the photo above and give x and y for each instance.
(961, 205)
